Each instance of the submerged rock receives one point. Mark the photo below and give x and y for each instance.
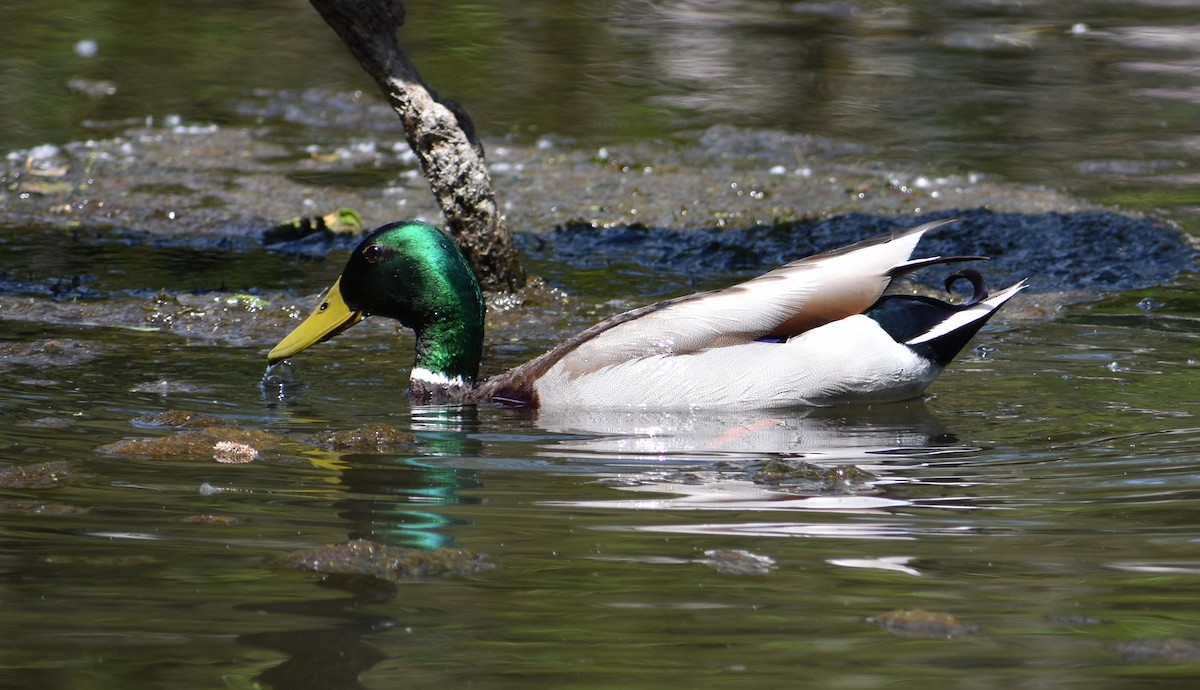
(38, 508)
(820, 479)
(1173, 649)
(371, 438)
(115, 561)
(40, 476)
(922, 623)
(48, 422)
(388, 563)
(795, 476)
(738, 562)
(222, 444)
(210, 519)
(48, 354)
(168, 387)
(181, 419)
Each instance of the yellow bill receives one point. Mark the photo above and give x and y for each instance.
(331, 317)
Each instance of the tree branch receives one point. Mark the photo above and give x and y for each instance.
(440, 133)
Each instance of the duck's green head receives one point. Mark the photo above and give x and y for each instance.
(414, 273)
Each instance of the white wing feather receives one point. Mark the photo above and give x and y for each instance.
(800, 295)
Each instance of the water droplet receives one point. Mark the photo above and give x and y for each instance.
(280, 382)
(984, 350)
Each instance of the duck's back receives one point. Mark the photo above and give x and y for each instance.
(723, 348)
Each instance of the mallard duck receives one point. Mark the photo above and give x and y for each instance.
(816, 332)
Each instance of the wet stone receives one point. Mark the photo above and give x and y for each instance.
(738, 562)
(43, 475)
(212, 443)
(922, 623)
(388, 563)
(234, 453)
(371, 438)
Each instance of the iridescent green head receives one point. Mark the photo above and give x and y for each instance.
(412, 272)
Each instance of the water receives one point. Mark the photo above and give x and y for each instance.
(1043, 493)
(1095, 97)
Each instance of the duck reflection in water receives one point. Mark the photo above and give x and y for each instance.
(802, 459)
(845, 434)
(400, 499)
(390, 499)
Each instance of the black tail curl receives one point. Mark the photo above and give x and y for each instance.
(978, 285)
(905, 317)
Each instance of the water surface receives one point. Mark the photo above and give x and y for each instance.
(1043, 493)
(1096, 97)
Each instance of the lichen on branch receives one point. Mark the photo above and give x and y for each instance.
(440, 133)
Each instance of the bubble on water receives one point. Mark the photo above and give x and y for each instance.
(87, 48)
(280, 382)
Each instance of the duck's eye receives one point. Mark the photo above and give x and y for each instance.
(373, 253)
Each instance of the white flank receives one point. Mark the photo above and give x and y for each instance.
(848, 361)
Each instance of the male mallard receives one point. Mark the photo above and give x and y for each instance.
(813, 332)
